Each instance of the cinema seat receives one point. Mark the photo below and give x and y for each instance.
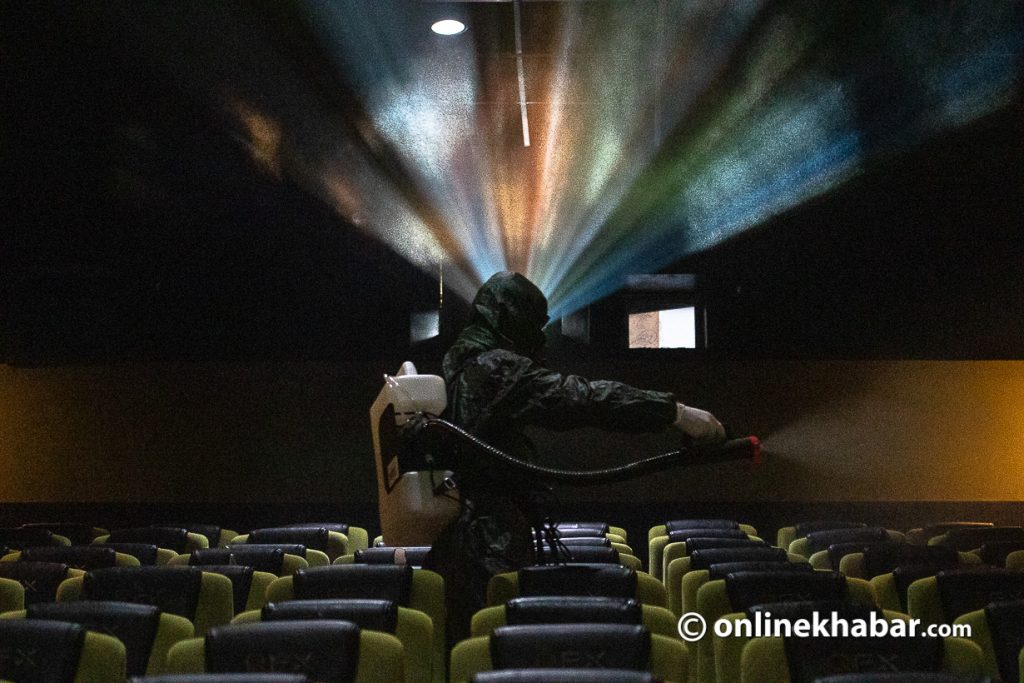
(589, 554)
(216, 535)
(77, 534)
(313, 557)
(12, 595)
(818, 541)
(778, 660)
(682, 592)
(204, 598)
(921, 536)
(410, 555)
(573, 610)
(605, 646)
(832, 557)
(417, 589)
(248, 586)
(595, 528)
(222, 678)
(785, 536)
(576, 579)
(679, 530)
(995, 553)
(563, 676)
(72, 653)
(949, 594)
(972, 538)
(323, 650)
(83, 557)
(412, 627)
(628, 557)
(146, 632)
(327, 538)
(999, 630)
(876, 560)
(178, 539)
(912, 677)
(29, 537)
(40, 580)
(679, 549)
(269, 559)
(729, 650)
(740, 591)
(147, 554)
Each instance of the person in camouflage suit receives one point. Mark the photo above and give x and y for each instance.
(497, 384)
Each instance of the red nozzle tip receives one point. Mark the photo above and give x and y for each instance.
(756, 457)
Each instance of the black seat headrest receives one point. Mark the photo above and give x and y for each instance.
(599, 528)
(723, 569)
(311, 537)
(756, 588)
(133, 624)
(26, 537)
(591, 554)
(339, 527)
(173, 589)
(677, 524)
(678, 535)
(709, 543)
(586, 540)
(222, 678)
(76, 556)
(1006, 624)
(172, 538)
(837, 551)
(563, 676)
(577, 533)
(373, 615)
(39, 579)
(579, 609)
(821, 540)
(965, 590)
(145, 553)
(371, 581)
(78, 534)
(260, 558)
(702, 559)
(995, 552)
(585, 646)
(610, 580)
(804, 528)
(904, 677)
(944, 527)
(33, 650)
(241, 581)
(812, 658)
(322, 650)
(882, 559)
(412, 555)
(286, 548)
(210, 531)
(969, 538)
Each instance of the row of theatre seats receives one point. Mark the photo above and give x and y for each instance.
(316, 602)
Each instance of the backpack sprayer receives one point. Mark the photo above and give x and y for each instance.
(417, 453)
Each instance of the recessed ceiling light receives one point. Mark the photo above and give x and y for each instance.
(448, 27)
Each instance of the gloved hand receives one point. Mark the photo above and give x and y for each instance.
(700, 425)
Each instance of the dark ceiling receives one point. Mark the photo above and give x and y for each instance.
(139, 224)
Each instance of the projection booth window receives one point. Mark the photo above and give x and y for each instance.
(672, 328)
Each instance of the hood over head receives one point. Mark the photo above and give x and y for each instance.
(509, 312)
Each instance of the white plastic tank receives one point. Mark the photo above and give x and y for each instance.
(412, 512)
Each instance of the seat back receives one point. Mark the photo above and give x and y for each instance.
(563, 676)
(702, 559)
(78, 534)
(375, 615)
(263, 559)
(881, 559)
(39, 579)
(27, 537)
(1006, 626)
(607, 580)
(995, 552)
(971, 538)
(134, 625)
(379, 582)
(172, 538)
(572, 610)
(617, 646)
(811, 658)
(963, 591)
(413, 555)
(146, 553)
(84, 557)
(746, 589)
(322, 650)
(57, 652)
